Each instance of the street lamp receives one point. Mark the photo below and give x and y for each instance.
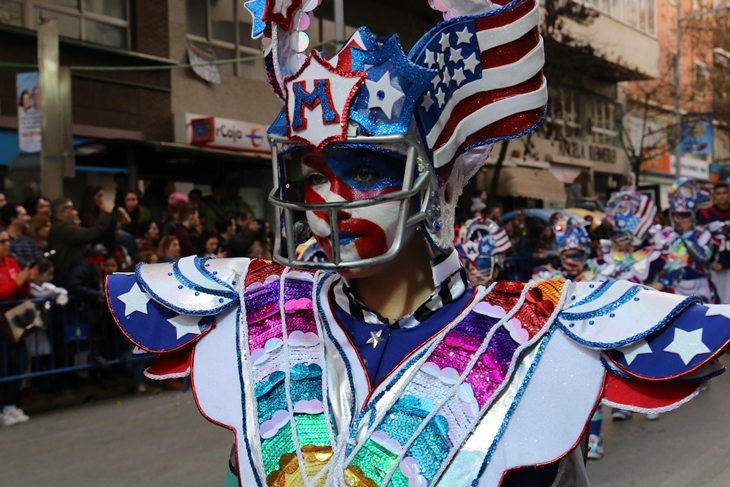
(678, 107)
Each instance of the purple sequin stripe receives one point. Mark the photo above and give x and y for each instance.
(263, 308)
(271, 75)
(263, 315)
(302, 320)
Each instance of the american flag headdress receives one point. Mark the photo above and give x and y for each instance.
(473, 80)
(686, 196)
(631, 214)
(482, 245)
(571, 235)
(482, 238)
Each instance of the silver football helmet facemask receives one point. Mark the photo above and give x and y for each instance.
(419, 181)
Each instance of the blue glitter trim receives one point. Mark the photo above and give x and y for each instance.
(171, 306)
(259, 483)
(597, 293)
(417, 75)
(514, 405)
(325, 325)
(605, 309)
(191, 285)
(694, 299)
(256, 8)
(199, 264)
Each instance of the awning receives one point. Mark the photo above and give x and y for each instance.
(528, 182)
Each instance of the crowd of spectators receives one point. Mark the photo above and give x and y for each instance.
(51, 248)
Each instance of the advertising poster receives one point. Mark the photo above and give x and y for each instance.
(696, 134)
(29, 113)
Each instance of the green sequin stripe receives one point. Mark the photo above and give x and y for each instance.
(312, 430)
(429, 449)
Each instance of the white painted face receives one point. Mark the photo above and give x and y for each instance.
(340, 175)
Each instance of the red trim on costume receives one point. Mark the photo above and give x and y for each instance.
(176, 363)
(646, 395)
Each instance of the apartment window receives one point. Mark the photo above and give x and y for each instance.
(563, 113)
(601, 121)
(700, 77)
(225, 26)
(673, 67)
(640, 14)
(99, 21)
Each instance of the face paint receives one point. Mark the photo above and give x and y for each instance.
(353, 175)
(573, 261)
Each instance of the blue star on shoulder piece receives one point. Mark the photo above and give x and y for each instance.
(692, 339)
(148, 324)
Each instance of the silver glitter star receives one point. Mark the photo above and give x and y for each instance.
(375, 338)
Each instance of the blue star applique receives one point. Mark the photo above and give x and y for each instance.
(390, 108)
(256, 7)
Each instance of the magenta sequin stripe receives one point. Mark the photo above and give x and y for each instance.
(264, 313)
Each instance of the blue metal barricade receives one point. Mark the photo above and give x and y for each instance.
(68, 342)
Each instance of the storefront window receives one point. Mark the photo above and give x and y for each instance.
(98, 21)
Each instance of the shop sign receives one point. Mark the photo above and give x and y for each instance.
(664, 163)
(593, 153)
(695, 168)
(226, 134)
(655, 159)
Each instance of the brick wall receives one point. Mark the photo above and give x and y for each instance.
(150, 27)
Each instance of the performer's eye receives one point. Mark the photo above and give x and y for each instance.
(316, 179)
(366, 176)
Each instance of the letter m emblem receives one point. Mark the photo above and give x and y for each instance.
(318, 102)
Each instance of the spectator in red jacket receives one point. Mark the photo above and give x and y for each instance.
(14, 284)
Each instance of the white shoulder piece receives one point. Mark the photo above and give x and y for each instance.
(617, 313)
(193, 285)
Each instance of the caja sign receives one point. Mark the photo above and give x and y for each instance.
(226, 134)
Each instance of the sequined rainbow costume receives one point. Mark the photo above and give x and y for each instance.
(486, 380)
(269, 359)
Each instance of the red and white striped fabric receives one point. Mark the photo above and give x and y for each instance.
(490, 85)
(631, 212)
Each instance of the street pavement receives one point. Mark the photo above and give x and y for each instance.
(163, 441)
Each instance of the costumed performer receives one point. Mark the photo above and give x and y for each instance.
(382, 366)
(482, 245)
